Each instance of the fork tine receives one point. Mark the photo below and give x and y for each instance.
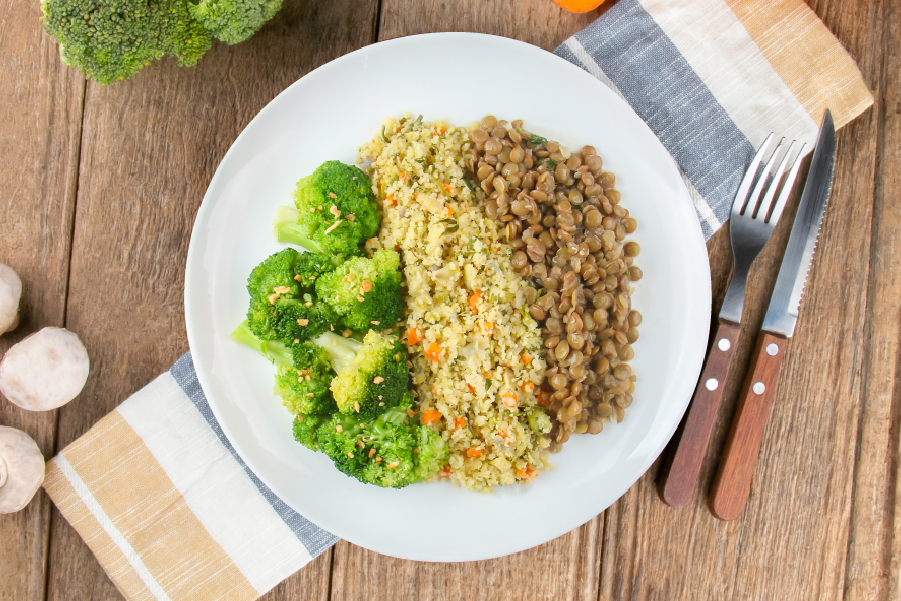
(739, 202)
(771, 191)
(787, 186)
(764, 180)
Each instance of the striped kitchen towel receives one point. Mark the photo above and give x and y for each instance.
(168, 507)
(712, 78)
(159, 494)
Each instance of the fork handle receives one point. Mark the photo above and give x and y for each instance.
(733, 479)
(678, 477)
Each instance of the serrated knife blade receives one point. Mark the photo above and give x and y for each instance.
(782, 313)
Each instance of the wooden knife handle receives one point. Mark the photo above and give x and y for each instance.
(678, 477)
(733, 479)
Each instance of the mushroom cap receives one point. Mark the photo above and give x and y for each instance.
(10, 293)
(21, 469)
(45, 370)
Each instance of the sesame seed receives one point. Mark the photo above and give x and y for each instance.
(310, 394)
(297, 341)
(378, 459)
(380, 397)
(391, 466)
(356, 406)
(339, 429)
(319, 208)
(297, 277)
(378, 380)
(375, 323)
(307, 377)
(349, 454)
(332, 195)
(312, 210)
(381, 404)
(360, 443)
(281, 289)
(273, 297)
(303, 322)
(300, 379)
(360, 299)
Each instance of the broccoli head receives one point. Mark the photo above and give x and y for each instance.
(111, 40)
(233, 21)
(365, 292)
(304, 386)
(271, 281)
(372, 376)
(306, 430)
(300, 319)
(336, 211)
(393, 450)
(311, 265)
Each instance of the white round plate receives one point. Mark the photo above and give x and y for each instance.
(327, 115)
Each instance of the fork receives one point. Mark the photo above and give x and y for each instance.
(751, 223)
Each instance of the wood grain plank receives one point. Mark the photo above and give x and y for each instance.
(151, 145)
(40, 131)
(565, 568)
(875, 530)
(790, 543)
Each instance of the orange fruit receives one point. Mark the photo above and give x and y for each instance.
(579, 6)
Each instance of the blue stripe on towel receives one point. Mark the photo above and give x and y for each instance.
(668, 95)
(314, 538)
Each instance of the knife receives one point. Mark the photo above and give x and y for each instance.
(733, 479)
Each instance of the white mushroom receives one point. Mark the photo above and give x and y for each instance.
(44, 371)
(21, 469)
(10, 292)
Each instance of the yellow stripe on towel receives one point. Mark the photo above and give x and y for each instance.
(808, 58)
(152, 516)
(100, 542)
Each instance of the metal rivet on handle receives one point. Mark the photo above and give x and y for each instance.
(711, 384)
(724, 344)
(771, 349)
(758, 388)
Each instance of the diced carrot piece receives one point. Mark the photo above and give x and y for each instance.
(434, 351)
(472, 388)
(440, 130)
(528, 387)
(449, 190)
(389, 200)
(413, 336)
(448, 212)
(473, 452)
(459, 423)
(487, 328)
(526, 358)
(445, 471)
(430, 416)
(474, 301)
(509, 399)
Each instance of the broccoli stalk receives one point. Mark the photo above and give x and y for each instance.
(275, 351)
(372, 375)
(287, 230)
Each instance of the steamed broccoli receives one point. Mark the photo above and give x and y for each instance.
(336, 211)
(372, 375)
(391, 451)
(306, 430)
(304, 386)
(111, 40)
(280, 309)
(365, 292)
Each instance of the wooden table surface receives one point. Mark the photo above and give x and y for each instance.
(98, 194)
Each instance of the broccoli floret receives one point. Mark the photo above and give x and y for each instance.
(311, 265)
(336, 211)
(306, 430)
(391, 451)
(365, 292)
(300, 320)
(275, 351)
(372, 375)
(111, 40)
(234, 21)
(304, 386)
(271, 281)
